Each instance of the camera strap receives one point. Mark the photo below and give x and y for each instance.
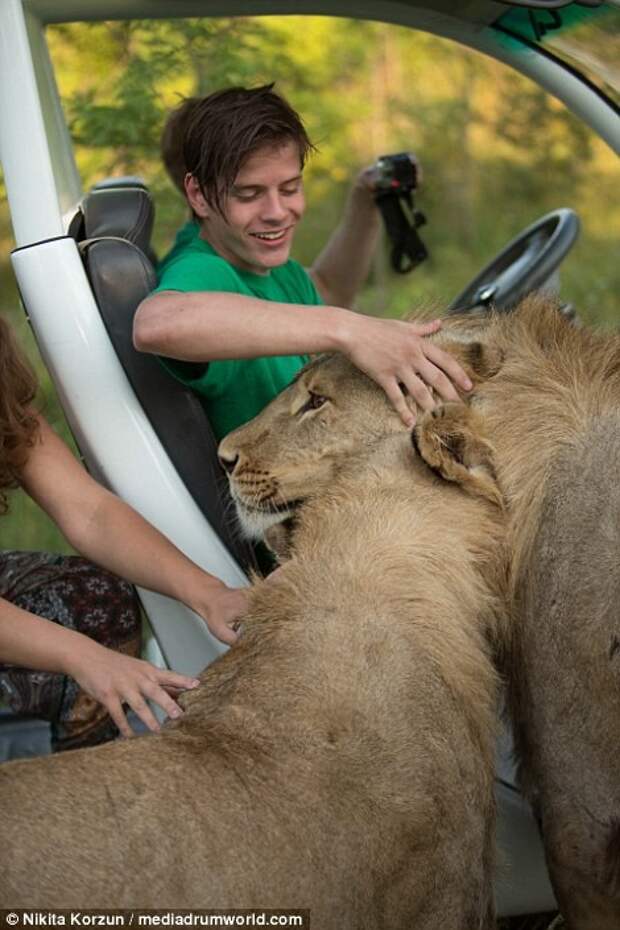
(408, 250)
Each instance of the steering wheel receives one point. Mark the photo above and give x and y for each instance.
(523, 266)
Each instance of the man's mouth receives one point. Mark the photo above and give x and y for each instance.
(270, 236)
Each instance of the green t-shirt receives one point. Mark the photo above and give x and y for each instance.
(235, 390)
(188, 232)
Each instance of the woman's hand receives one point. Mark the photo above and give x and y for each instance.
(115, 679)
(107, 531)
(221, 608)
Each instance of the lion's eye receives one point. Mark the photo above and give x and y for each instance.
(314, 402)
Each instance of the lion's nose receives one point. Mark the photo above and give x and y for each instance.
(228, 462)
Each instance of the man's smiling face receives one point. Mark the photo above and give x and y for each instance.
(261, 210)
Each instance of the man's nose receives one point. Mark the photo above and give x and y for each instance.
(274, 207)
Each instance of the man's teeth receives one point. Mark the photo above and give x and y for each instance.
(269, 236)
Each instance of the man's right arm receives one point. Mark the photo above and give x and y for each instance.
(204, 326)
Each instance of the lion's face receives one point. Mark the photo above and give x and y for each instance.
(294, 448)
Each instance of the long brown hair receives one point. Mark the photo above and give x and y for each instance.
(18, 424)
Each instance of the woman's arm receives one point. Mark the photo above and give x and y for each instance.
(110, 533)
(111, 678)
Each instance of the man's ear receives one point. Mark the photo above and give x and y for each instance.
(195, 197)
(450, 439)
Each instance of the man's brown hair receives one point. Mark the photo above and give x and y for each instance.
(171, 143)
(229, 126)
(18, 424)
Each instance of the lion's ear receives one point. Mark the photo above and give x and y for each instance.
(481, 361)
(484, 360)
(451, 441)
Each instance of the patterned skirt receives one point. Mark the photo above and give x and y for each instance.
(76, 594)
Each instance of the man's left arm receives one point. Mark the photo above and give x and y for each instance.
(342, 267)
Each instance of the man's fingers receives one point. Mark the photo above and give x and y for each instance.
(395, 395)
(448, 364)
(426, 329)
(418, 390)
(436, 379)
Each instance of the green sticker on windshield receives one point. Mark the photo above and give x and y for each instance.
(535, 25)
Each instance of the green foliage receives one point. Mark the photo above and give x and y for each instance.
(497, 152)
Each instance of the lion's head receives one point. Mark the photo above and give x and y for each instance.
(297, 444)
(294, 449)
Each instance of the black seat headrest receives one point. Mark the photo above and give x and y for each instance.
(127, 180)
(123, 212)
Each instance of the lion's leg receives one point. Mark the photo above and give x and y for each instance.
(565, 679)
(583, 865)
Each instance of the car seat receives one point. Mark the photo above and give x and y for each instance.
(113, 230)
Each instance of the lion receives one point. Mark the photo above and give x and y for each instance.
(340, 756)
(549, 395)
(552, 412)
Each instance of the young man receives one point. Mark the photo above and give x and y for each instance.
(233, 316)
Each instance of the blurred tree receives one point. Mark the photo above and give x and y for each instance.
(497, 151)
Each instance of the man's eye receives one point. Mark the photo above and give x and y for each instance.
(290, 191)
(314, 402)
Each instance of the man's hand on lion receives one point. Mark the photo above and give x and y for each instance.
(402, 361)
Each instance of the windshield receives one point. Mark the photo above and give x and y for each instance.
(587, 39)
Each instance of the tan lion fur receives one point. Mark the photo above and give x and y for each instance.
(552, 413)
(390, 558)
(340, 756)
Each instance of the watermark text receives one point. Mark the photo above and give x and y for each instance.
(284, 919)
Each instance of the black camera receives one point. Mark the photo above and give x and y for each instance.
(397, 174)
(395, 179)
